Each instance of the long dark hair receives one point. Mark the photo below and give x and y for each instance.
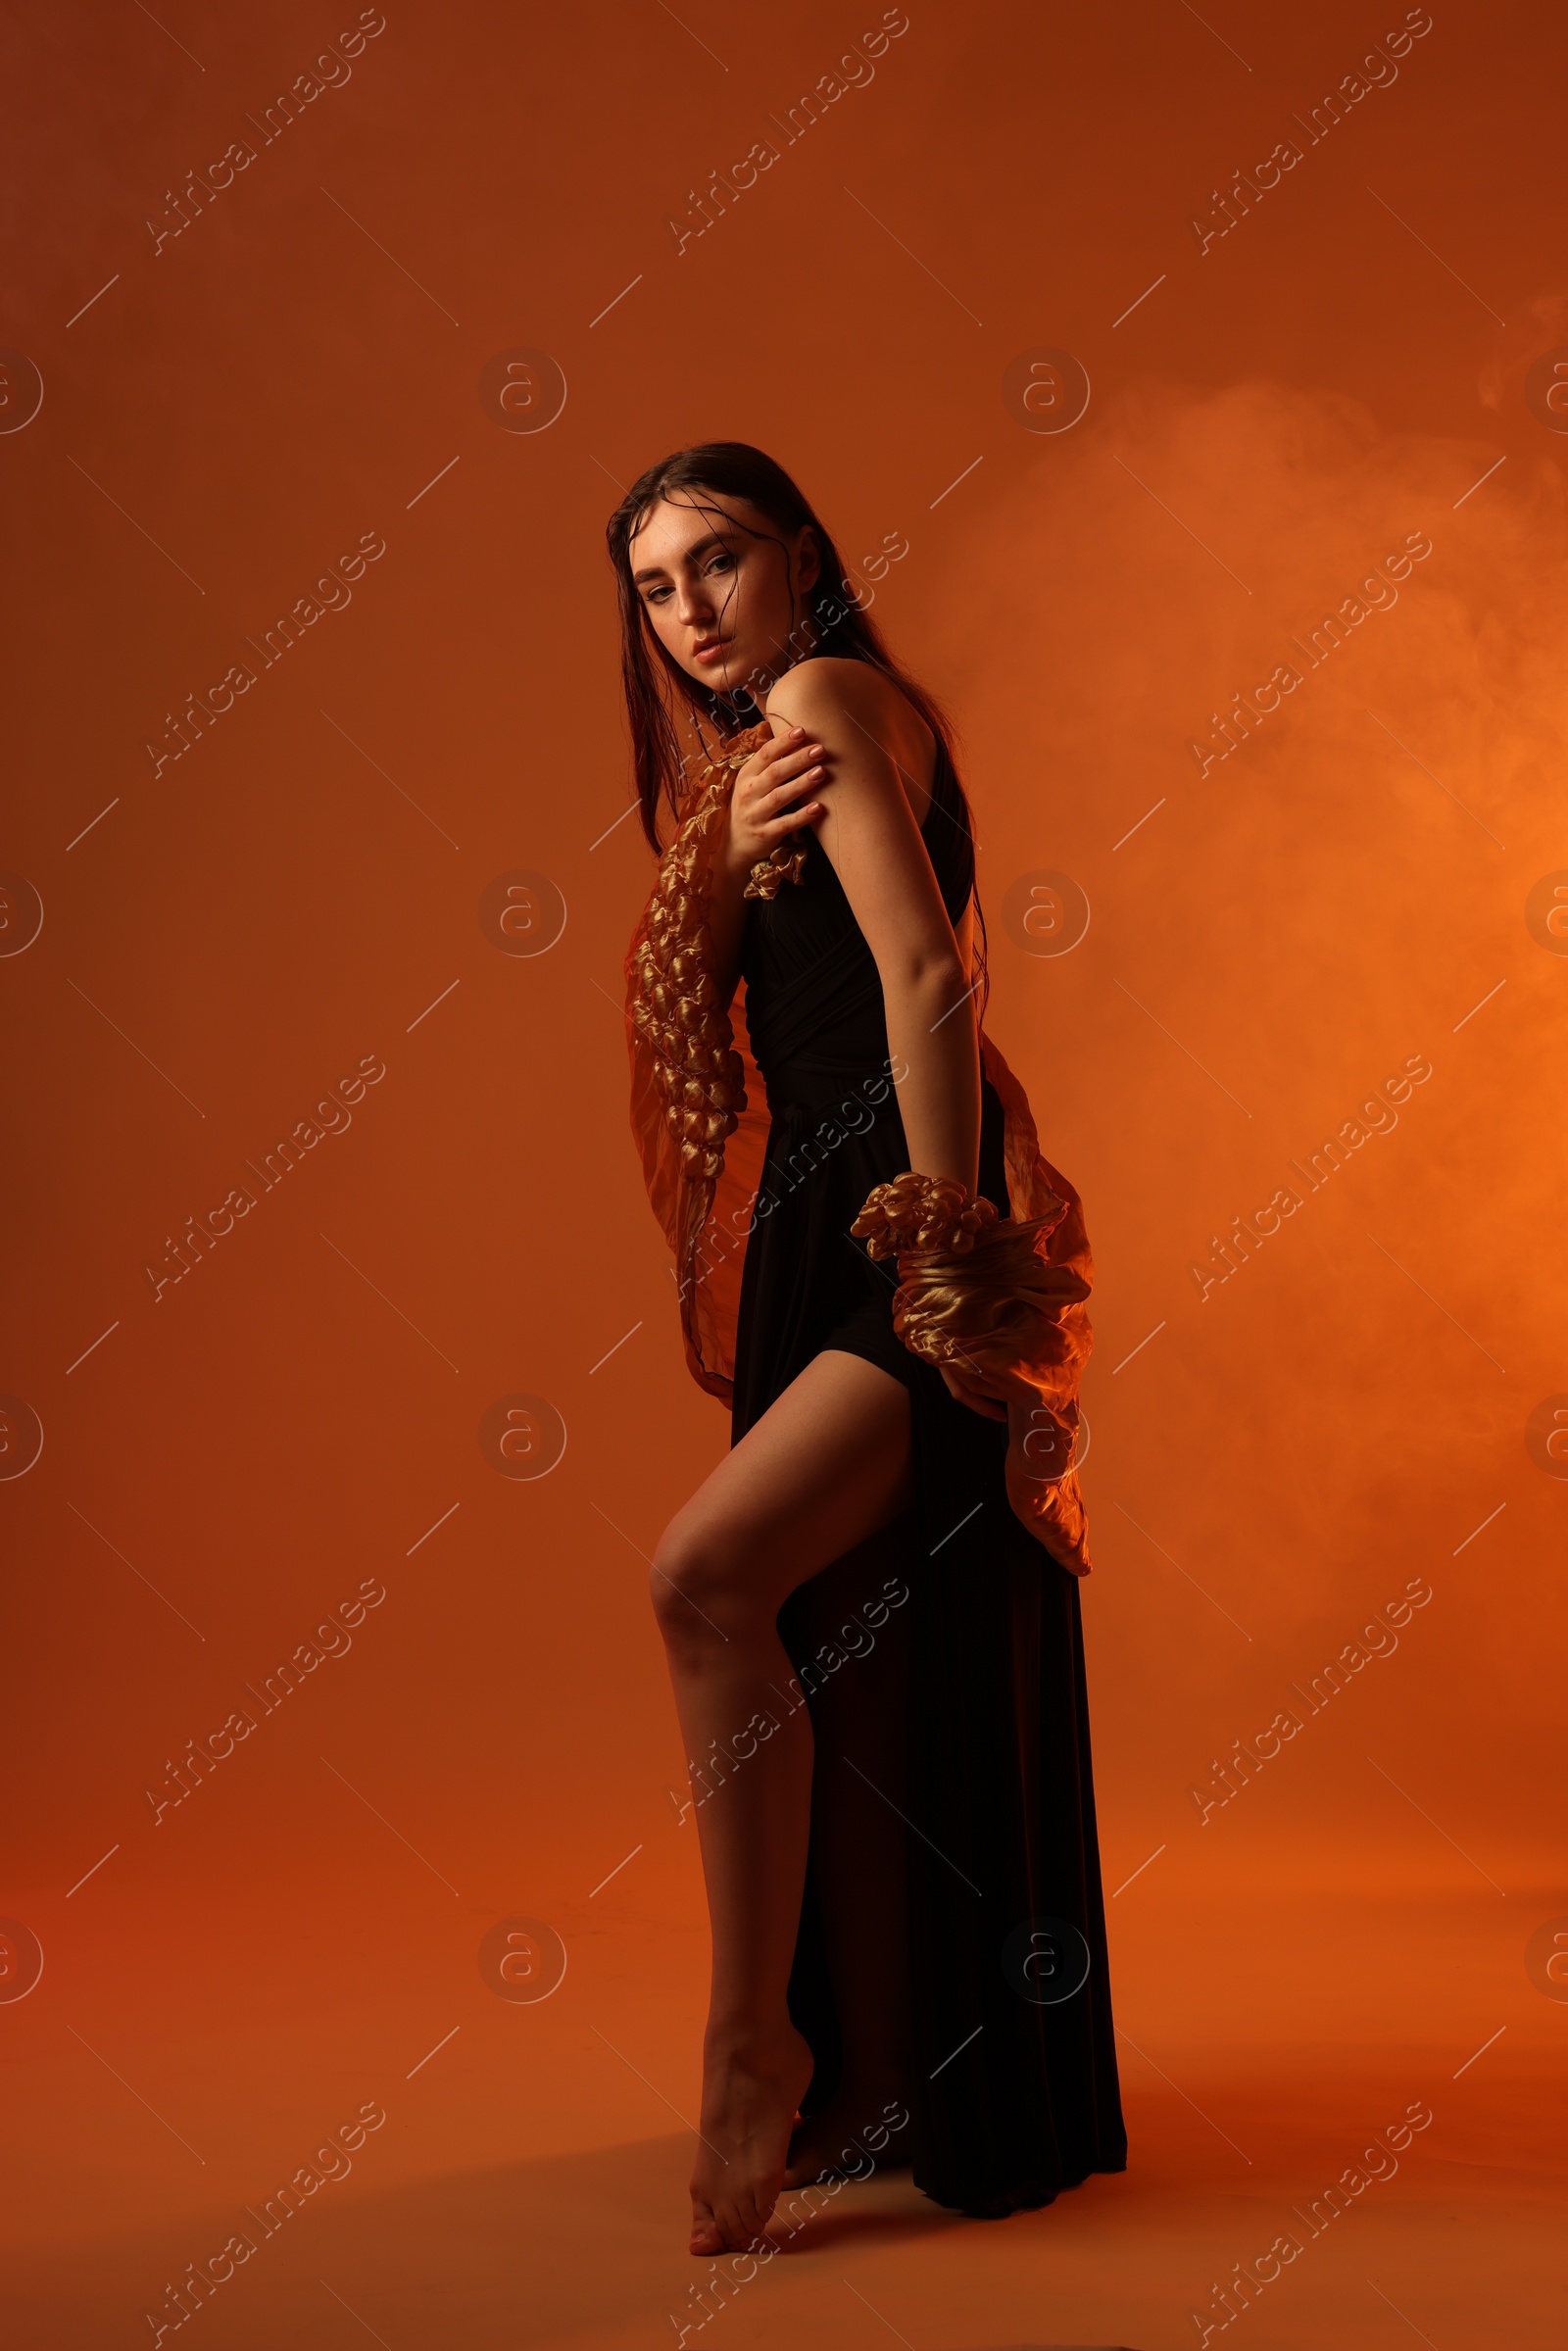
(841, 627)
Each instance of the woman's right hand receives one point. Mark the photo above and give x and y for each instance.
(760, 814)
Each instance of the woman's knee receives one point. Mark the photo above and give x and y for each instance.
(704, 1587)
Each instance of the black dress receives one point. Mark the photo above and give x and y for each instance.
(1015, 2090)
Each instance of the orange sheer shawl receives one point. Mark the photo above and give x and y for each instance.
(700, 1117)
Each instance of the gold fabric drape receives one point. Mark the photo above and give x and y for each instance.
(699, 1118)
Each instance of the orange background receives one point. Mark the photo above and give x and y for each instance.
(225, 938)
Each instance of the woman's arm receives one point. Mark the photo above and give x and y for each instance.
(868, 829)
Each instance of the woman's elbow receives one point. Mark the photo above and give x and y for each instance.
(931, 985)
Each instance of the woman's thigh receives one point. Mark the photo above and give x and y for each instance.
(825, 1466)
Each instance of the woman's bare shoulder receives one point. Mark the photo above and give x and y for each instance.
(827, 681)
(826, 688)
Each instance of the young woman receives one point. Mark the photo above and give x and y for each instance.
(870, 1606)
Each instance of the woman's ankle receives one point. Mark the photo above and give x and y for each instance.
(751, 2043)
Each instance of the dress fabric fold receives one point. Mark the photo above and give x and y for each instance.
(1015, 2090)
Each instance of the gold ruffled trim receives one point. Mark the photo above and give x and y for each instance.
(769, 874)
(675, 1008)
(919, 1212)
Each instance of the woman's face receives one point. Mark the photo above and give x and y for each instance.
(722, 588)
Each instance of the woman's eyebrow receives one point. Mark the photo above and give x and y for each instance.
(658, 572)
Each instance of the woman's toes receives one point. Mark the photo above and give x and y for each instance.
(707, 2236)
(739, 2226)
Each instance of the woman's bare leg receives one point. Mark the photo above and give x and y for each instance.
(823, 1468)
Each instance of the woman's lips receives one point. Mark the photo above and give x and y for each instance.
(713, 651)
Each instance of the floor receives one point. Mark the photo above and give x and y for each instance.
(1450, 2233)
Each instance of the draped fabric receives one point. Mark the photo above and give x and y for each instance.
(999, 1938)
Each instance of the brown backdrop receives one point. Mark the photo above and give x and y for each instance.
(321, 380)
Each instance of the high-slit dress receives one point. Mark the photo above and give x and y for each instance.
(1015, 2091)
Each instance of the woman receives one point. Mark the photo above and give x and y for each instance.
(870, 1606)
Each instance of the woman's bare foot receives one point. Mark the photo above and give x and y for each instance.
(751, 2095)
(862, 2127)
